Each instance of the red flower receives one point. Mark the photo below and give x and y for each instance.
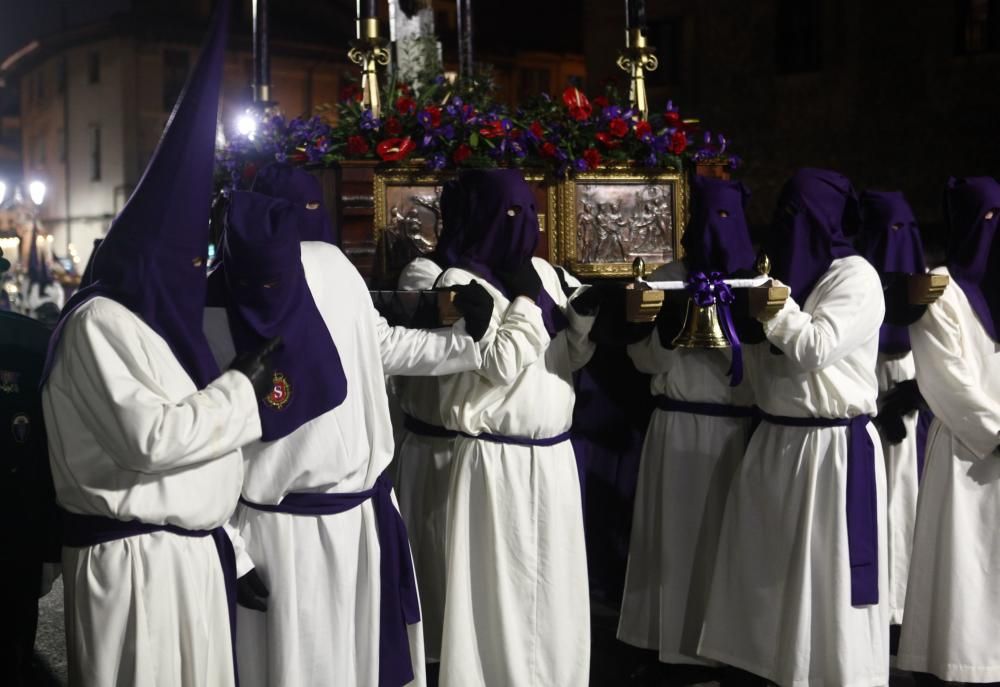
(404, 88)
(394, 149)
(592, 157)
(577, 104)
(678, 142)
(406, 105)
(618, 127)
(672, 118)
(548, 150)
(357, 145)
(435, 114)
(642, 128)
(536, 129)
(601, 101)
(492, 129)
(605, 138)
(393, 127)
(461, 153)
(351, 92)
(249, 171)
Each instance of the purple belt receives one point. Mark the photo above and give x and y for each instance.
(399, 606)
(425, 429)
(862, 500)
(699, 408)
(518, 441)
(81, 531)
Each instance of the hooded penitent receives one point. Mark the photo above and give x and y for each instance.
(304, 192)
(717, 239)
(38, 266)
(972, 210)
(890, 241)
(267, 296)
(807, 233)
(497, 223)
(153, 259)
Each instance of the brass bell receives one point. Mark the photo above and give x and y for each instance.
(701, 328)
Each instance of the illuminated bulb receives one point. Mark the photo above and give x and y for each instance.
(36, 189)
(3, 191)
(246, 125)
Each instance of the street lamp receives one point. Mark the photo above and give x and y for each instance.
(246, 124)
(36, 189)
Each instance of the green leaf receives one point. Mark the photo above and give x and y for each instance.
(474, 139)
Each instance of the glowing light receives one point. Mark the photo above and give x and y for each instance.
(3, 191)
(246, 125)
(36, 189)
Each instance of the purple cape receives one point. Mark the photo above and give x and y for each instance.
(304, 192)
(807, 233)
(717, 239)
(153, 259)
(890, 241)
(974, 249)
(267, 295)
(492, 228)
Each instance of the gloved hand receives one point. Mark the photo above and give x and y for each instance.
(590, 300)
(257, 367)
(670, 319)
(522, 282)
(251, 592)
(898, 310)
(902, 400)
(889, 422)
(476, 306)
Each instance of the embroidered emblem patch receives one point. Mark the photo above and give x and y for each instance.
(281, 394)
(20, 427)
(9, 382)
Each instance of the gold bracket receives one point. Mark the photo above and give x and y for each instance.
(636, 59)
(369, 52)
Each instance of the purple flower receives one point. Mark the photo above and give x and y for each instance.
(368, 121)
(580, 164)
(652, 160)
(437, 161)
(611, 112)
(447, 132)
(281, 156)
(708, 138)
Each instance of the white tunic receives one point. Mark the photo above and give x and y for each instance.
(688, 461)
(780, 604)
(517, 607)
(953, 597)
(322, 623)
(902, 480)
(131, 438)
(424, 469)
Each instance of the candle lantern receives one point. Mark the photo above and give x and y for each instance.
(369, 51)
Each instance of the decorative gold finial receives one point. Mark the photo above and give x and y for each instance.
(763, 264)
(636, 59)
(369, 52)
(638, 268)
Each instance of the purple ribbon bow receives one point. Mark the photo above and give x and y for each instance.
(711, 289)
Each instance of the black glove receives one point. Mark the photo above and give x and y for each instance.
(590, 301)
(670, 319)
(251, 592)
(563, 284)
(898, 310)
(889, 422)
(903, 399)
(476, 307)
(256, 365)
(522, 282)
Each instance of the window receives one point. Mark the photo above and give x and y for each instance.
(978, 26)
(668, 39)
(95, 152)
(799, 36)
(94, 68)
(175, 70)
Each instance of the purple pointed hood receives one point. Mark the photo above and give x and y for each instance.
(266, 296)
(717, 239)
(499, 232)
(304, 192)
(153, 259)
(807, 233)
(450, 241)
(38, 266)
(972, 210)
(890, 241)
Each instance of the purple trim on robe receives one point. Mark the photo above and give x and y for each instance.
(399, 606)
(862, 500)
(80, 530)
(425, 429)
(518, 441)
(673, 405)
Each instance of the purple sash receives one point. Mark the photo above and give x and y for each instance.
(425, 429)
(81, 531)
(518, 441)
(699, 408)
(862, 500)
(399, 606)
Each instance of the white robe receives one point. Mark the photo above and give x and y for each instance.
(780, 604)
(688, 462)
(953, 596)
(131, 438)
(517, 610)
(322, 622)
(902, 478)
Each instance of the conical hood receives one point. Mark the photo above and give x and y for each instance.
(153, 259)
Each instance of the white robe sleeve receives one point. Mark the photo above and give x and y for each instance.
(650, 357)
(145, 431)
(952, 389)
(426, 352)
(579, 346)
(849, 309)
(519, 337)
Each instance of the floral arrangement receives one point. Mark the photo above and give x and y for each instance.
(448, 126)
